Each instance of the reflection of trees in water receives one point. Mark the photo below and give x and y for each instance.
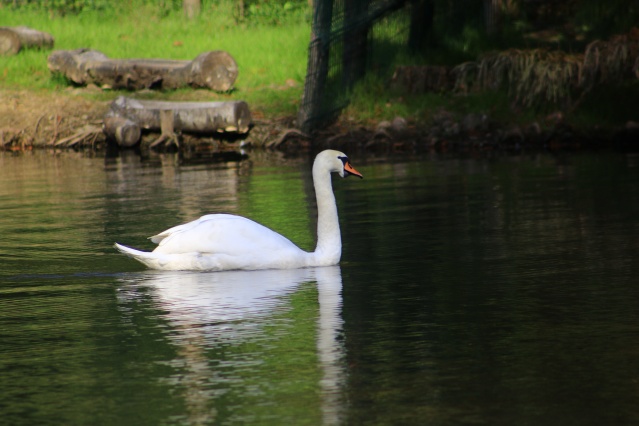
(48, 204)
(505, 271)
(185, 190)
(270, 190)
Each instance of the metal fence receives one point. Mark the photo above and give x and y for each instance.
(350, 38)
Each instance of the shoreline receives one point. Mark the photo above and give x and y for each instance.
(68, 120)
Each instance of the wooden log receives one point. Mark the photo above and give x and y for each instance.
(74, 64)
(189, 117)
(14, 39)
(124, 131)
(215, 70)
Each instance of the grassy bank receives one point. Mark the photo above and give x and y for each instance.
(271, 58)
(271, 52)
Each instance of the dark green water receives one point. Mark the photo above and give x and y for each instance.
(471, 291)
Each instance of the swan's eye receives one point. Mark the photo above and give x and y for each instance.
(344, 159)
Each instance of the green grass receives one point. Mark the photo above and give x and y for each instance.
(607, 107)
(271, 59)
(372, 102)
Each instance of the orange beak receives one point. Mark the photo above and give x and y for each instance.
(351, 170)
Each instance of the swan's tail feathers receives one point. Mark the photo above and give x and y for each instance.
(151, 260)
(128, 250)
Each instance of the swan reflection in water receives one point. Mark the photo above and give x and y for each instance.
(207, 310)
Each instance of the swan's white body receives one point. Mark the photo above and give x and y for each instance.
(219, 242)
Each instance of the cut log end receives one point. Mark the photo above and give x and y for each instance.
(9, 42)
(14, 39)
(125, 132)
(242, 118)
(216, 70)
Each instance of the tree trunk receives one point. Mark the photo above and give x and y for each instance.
(492, 12)
(13, 39)
(191, 8)
(126, 117)
(215, 70)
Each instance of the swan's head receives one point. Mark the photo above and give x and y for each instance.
(335, 161)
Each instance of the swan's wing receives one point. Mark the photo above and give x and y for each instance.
(222, 234)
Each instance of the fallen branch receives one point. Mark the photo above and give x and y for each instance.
(287, 135)
(56, 122)
(82, 134)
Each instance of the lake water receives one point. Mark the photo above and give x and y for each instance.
(495, 291)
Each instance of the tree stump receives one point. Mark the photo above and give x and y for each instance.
(14, 39)
(127, 117)
(191, 8)
(215, 70)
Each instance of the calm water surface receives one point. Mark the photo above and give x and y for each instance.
(471, 291)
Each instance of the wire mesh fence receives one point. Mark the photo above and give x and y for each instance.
(350, 38)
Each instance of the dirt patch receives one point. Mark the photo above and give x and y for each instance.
(29, 118)
(67, 118)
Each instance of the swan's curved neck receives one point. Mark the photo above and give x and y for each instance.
(329, 240)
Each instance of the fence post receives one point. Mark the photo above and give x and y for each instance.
(421, 24)
(317, 68)
(355, 41)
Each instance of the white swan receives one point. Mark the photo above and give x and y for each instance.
(219, 242)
